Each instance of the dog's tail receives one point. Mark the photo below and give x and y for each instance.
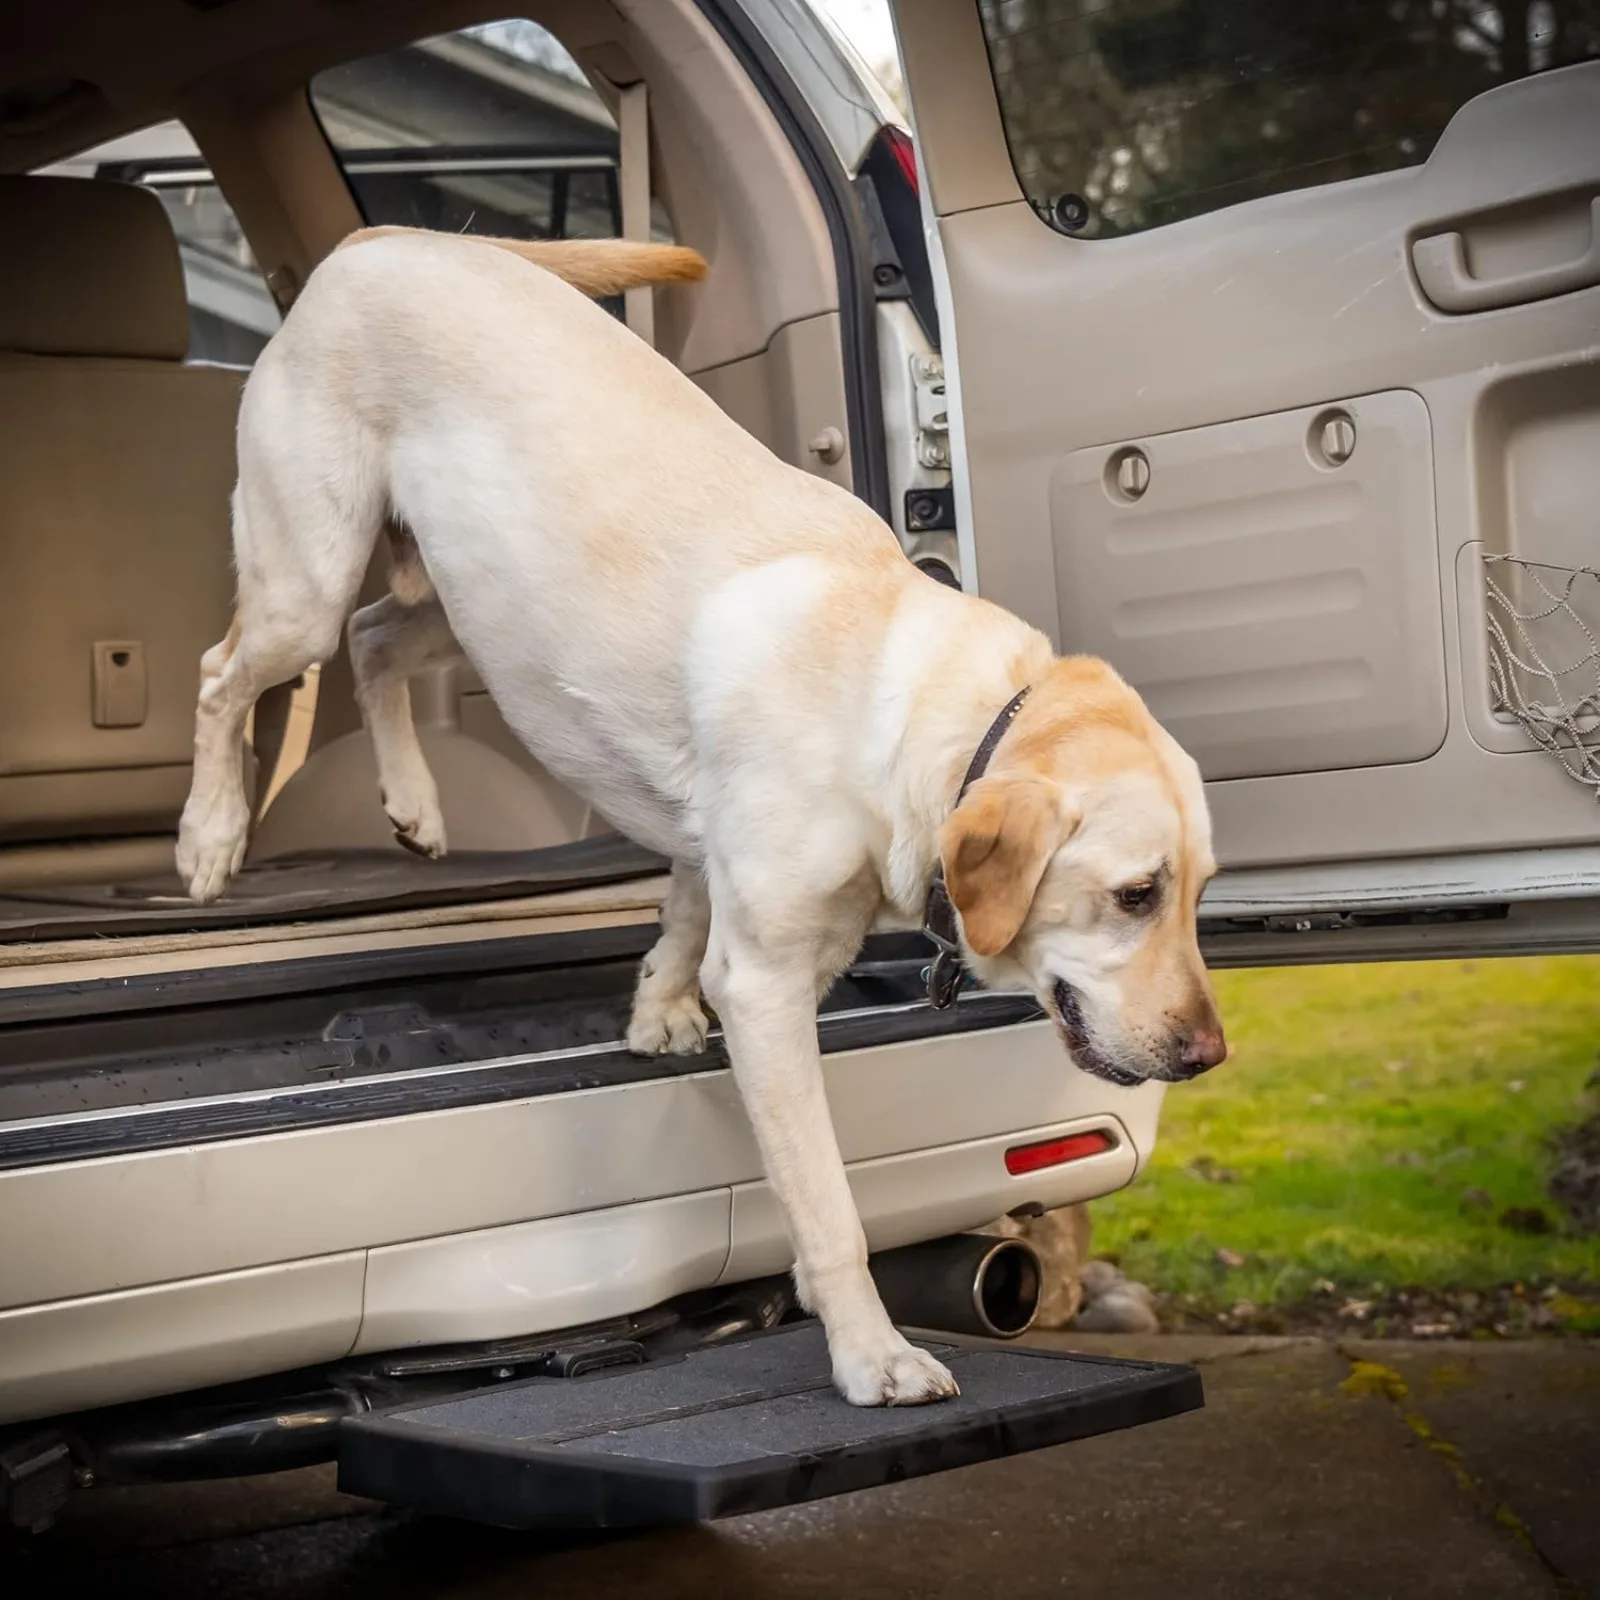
(595, 267)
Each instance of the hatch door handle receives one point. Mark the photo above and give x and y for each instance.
(1441, 263)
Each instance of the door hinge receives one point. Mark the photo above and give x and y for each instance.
(932, 417)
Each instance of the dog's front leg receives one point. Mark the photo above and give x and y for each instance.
(767, 1002)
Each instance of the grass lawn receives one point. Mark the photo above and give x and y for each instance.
(1371, 1130)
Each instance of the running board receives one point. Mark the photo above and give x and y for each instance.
(732, 1428)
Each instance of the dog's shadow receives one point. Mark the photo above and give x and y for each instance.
(414, 1557)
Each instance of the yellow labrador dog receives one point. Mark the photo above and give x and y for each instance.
(733, 661)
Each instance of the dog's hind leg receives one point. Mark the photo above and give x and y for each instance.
(291, 610)
(668, 1018)
(389, 641)
(215, 826)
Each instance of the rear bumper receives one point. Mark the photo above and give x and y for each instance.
(191, 1264)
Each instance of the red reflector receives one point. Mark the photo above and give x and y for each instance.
(905, 154)
(1057, 1152)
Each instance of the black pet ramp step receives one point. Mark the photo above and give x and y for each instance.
(737, 1427)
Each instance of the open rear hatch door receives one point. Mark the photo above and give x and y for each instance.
(733, 1428)
(1273, 339)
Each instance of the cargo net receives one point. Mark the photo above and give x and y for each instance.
(1544, 657)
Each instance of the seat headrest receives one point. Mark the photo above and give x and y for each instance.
(89, 268)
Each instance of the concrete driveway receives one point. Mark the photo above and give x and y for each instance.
(1367, 1470)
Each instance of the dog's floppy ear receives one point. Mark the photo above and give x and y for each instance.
(995, 848)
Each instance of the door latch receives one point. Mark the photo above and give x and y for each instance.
(932, 415)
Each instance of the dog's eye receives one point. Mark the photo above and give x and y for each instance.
(1136, 896)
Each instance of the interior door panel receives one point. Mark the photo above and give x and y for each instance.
(1255, 455)
(1300, 547)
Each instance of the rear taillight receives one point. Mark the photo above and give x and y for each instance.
(1057, 1152)
(905, 155)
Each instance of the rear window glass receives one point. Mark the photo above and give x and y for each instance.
(1122, 115)
(491, 130)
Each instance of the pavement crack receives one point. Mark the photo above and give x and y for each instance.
(1229, 1347)
(1374, 1378)
(1273, 1344)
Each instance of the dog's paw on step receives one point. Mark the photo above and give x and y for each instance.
(672, 1026)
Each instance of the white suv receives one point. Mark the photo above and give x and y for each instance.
(1305, 447)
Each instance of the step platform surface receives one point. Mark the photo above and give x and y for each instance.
(732, 1428)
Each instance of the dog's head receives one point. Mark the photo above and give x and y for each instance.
(1076, 864)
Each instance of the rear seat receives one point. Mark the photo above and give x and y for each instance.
(116, 463)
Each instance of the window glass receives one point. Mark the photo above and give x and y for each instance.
(1122, 115)
(492, 130)
(231, 311)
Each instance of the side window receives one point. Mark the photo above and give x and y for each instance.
(492, 130)
(231, 311)
(1123, 117)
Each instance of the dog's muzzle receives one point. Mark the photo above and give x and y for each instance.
(1074, 1032)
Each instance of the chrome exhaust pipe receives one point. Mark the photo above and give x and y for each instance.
(967, 1283)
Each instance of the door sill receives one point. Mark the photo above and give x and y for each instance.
(1515, 902)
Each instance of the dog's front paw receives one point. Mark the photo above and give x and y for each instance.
(895, 1373)
(671, 1026)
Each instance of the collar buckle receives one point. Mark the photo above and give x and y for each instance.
(946, 971)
